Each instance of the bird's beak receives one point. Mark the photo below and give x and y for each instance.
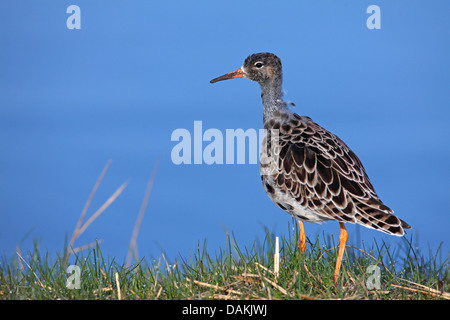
(239, 73)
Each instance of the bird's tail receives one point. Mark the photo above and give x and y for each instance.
(377, 216)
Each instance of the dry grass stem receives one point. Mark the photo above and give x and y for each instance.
(119, 293)
(426, 290)
(105, 277)
(214, 286)
(26, 263)
(20, 260)
(276, 258)
(87, 246)
(80, 227)
(264, 268)
(137, 226)
(107, 203)
(86, 206)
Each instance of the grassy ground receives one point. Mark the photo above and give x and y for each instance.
(234, 273)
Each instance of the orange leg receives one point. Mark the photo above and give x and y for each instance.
(302, 242)
(342, 241)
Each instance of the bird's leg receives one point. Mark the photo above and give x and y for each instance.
(302, 242)
(342, 242)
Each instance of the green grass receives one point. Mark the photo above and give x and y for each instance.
(233, 273)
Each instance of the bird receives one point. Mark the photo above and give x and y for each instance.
(308, 171)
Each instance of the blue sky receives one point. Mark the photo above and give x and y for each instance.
(70, 100)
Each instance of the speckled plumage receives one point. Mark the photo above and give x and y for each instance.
(306, 170)
(314, 176)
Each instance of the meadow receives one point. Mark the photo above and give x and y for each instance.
(264, 271)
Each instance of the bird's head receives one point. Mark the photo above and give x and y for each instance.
(259, 67)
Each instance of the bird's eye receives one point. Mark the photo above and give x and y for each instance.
(258, 64)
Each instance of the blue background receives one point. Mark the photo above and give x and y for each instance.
(70, 100)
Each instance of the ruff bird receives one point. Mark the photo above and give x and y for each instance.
(308, 171)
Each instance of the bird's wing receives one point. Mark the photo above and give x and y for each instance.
(324, 175)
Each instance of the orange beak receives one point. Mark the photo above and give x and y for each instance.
(239, 73)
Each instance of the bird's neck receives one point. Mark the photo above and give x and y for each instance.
(272, 98)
